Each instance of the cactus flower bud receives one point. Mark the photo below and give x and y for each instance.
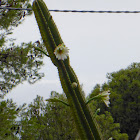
(74, 85)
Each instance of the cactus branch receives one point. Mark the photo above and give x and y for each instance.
(85, 124)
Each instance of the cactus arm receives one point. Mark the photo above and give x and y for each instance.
(74, 103)
(83, 128)
(51, 23)
(51, 37)
(91, 121)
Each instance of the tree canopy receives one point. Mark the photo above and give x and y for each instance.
(124, 86)
(50, 120)
(17, 62)
(11, 18)
(8, 115)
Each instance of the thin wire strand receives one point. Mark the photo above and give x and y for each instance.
(90, 11)
(11, 8)
(73, 11)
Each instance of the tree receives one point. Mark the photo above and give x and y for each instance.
(18, 62)
(124, 86)
(61, 119)
(8, 114)
(104, 119)
(48, 121)
(125, 98)
(53, 120)
(32, 120)
(11, 18)
(110, 129)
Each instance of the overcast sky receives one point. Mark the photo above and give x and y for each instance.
(98, 43)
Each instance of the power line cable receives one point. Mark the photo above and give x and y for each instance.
(91, 11)
(73, 11)
(12, 8)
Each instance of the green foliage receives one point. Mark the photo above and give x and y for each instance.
(124, 86)
(2, 41)
(48, 121)
(8, 114)
(10, 18)
(109, 128)
(62, 119)
(125, 98)
(19, 63)
(54, 121)
(32, 120)
(105, 120)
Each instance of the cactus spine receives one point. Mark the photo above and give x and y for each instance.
(85, 123)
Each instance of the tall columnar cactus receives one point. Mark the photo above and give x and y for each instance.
(86, 125)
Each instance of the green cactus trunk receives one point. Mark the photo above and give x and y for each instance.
(85, 124)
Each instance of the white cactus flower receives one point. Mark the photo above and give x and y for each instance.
(105, 97)
(61, 52)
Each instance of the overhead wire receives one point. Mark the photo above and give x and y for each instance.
(73, 11)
